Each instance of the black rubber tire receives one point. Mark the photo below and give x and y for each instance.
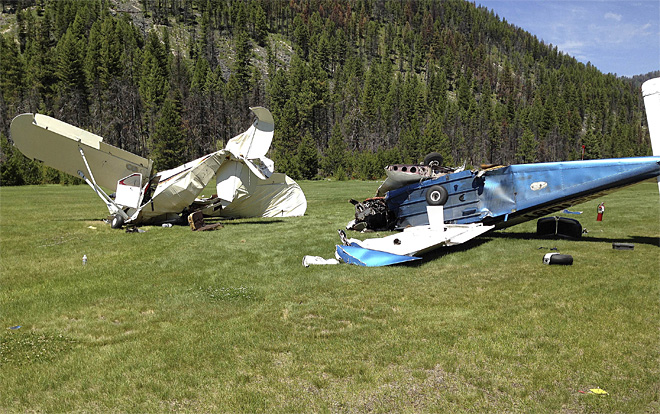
(117, 221)
(433, 159)
(436, 195)
(561, 259)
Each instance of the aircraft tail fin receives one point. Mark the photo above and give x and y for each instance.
(651, 93)
(255, 142)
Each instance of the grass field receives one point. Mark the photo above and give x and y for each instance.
(230, 321)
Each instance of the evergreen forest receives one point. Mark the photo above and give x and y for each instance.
(353, 85)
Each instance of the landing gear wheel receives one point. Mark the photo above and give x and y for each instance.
(558, 259)
(433, 159)
(117, 221)
(436, 195)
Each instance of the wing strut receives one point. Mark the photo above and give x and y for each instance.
(112, 207)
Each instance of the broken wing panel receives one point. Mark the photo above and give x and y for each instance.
(228, 180)
(276, 196)
(422, 239)
(357, 255)
(57, 144)
(178, 188)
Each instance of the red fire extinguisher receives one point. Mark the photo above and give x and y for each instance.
(600, 210)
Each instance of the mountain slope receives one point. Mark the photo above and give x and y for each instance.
(367, 82)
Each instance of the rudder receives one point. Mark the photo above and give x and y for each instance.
(651, 94)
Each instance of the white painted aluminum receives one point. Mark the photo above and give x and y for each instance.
(421, 239)
(129, 191)
(651, 94)
(57, 145)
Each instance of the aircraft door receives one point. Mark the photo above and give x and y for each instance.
(129, 191)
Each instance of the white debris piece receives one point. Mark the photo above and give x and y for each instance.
(317, 260)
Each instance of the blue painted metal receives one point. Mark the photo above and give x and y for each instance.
(354, 254)
(517, 193)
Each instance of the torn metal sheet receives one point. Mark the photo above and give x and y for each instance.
(404, 246)
(360, 256)
(421, 239)
(275, 196)
(177, 189)
(400, 175)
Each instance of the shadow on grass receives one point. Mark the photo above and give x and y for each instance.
(652, 241)
(444, 251)
(79, 219)
(207, 220)
(239, 222)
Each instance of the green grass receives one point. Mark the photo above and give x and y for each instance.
(229, 321)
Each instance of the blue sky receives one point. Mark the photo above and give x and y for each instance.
(621, 37)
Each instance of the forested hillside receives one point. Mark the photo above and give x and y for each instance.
(352, 85)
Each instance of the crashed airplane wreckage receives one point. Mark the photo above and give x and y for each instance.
(246, 183)
(437, 206)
